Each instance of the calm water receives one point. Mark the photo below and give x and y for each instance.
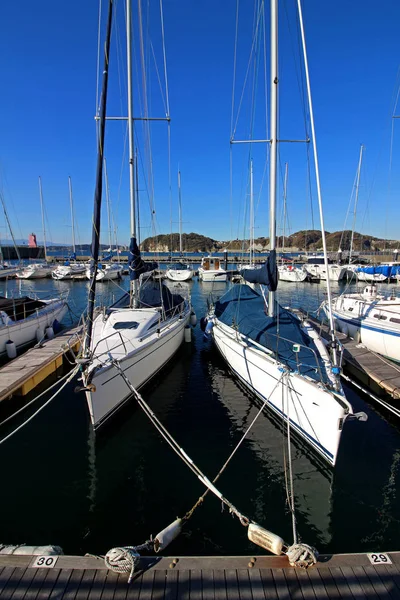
(63, 485)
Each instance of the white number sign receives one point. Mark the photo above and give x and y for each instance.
(44, 562)
(379, 558)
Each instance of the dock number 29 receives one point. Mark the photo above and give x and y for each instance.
(45, 562)
(379, 559)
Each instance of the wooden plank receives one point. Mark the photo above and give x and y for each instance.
(293, 584)
(269, 585)
(12, 582)
(393, 574)
(171, 584)
(60, 584)
(195, 584)
(36, 583)
(282, 590)
(96, 589)
(341, 582)
(122, 587)
(207, 576)
(373, 574)
(232, 590)
(48, 584)
(317, 584)
(364, 582)
(352, 581)
(86, 584)
(23, 585)
(158, 585)
(219, 584)
(146, 586)
(184, 585)
(244, 584)
(256, 584)
(109, 585)
(305, 584)
(329, 583)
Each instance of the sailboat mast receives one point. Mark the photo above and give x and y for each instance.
(99, 186)
(356, 201)
(108, 205)
(273, 140)
(180, 213)
(71, 203)
(41, 208)
(251, 253)
(284, 207)
(134, 283)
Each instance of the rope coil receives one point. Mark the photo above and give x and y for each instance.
(302, 556)
(123, 559)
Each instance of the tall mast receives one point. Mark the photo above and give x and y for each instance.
(108, 205)
(180, 213)
(273, 140)
(99, 186)
(284, 207)
(71, 203)
(134, 283)
(356, 201)
(251, 233)
(137, 197)
(41, 208)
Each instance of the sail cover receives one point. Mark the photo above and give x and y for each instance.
(136, 265)
(266, 275)
(244, 309)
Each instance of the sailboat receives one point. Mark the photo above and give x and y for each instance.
(179, 271)
(141, 332)
(38, 270)
(273, 351)
(70, 269)
(288, 272)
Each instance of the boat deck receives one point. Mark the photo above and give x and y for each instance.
(207, 578)
(28, 370)
(377, 373)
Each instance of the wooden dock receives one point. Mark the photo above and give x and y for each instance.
(24, 373)
(207, 578)
(378, 374)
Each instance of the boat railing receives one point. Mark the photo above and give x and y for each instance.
(296, 347)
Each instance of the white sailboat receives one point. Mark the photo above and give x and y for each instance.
(143, 330)
(179, 271)
(371, 318)
(274, 352)
(24, 319)
(70, 269)
(38, 270)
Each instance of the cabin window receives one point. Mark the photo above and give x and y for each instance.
(350, 308)
(126, 325)
(206, 264)
(394, 320)
(381, 317)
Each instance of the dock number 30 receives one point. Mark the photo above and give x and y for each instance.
(379, 559)
(45, 562)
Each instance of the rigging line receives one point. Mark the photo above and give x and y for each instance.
(72, 375)
(165, 56)
(318, 182)
(158, 78)
(34, 400)
(234, 67)
(247, 71)
(175, 446)
(291, 492)
(98, 69)
(222, 469)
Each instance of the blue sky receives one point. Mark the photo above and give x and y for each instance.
(48, 100)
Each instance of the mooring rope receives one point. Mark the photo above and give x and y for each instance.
(71, 376)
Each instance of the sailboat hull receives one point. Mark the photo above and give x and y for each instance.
(25, 331)
(111, 391)
(179, 274)
(316, 414)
